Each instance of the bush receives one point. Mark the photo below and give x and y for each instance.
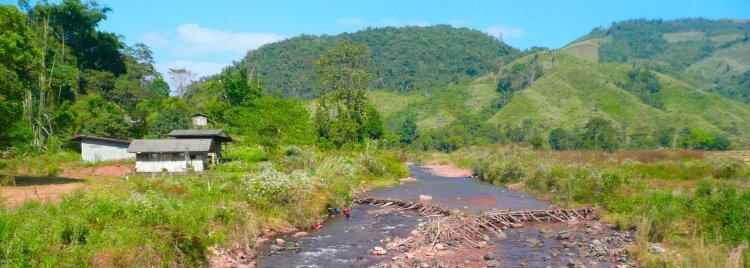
(7, 180)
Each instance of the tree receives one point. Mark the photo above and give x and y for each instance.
(181, 78)
(600, 133)
(271, 122)
(407, 132)
(19, 64)
(559, 139)
(93, 115)
(166, 121)
(344, 115)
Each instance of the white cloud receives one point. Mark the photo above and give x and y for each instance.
(502, 31)
(154, 40)
(196, 40)
(353, 21)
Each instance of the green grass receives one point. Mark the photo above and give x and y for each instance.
(174, 220)
(694, 203)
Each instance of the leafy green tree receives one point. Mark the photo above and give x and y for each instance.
(644, 85)
(559, 139)
(93, 115)
(19, 64)
(342, 115)
(407, 131)
(600, 133)
(75, 23)
(166, 121)
(271, 122)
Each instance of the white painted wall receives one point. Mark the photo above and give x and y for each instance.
(144, 163)
(200, 121)
(98, 150)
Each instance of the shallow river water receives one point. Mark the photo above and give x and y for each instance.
(345, 243)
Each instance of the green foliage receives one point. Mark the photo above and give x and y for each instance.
(407, 131)
(344, 114)
(517, 76)
(699, 139)
(644, 85)
(404, 59)
(166, 121)
(93, 115)
(271, 122)
(559, 139)
(19, 57)
(600, 133)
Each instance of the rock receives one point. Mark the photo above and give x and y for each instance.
(410, 256)
(486, 238)
(489, 256)
(621, 266)
(414, 232)
(261, 240)
(280, 241)
(425, 198)
(501, 235)
(571, 262)
(439, 246)
(563, 235)
(391, 245)
(482, 244)
(568, 244)
(493, 263)
(534, 242)
(516, 225)
(276, 248)
(656, 249)
(299, 234)
(424, 265)
(408, 179)
(378, 251)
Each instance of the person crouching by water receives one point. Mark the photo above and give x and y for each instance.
(348, 213)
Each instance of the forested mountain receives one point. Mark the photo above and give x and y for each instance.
(710, 54)
(403, 59)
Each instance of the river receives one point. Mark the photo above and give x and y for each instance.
(345, 243)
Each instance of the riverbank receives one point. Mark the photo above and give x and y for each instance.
(356, 242)
(688, 208)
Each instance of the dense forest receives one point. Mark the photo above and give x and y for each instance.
(403, 59)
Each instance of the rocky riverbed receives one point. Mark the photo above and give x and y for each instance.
(373, 237)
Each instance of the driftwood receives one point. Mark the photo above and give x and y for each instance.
(456, 228)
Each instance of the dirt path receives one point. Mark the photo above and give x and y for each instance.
(449, 170)
(51, 189)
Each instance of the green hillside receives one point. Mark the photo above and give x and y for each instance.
(403, 59)
(710, 54)
(569, 92)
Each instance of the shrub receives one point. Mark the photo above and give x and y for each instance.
(7, 180)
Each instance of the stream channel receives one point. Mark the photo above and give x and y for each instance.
(345, 243)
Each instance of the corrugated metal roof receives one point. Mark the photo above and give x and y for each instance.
(200, 133)
(86, 137)
(170, 146)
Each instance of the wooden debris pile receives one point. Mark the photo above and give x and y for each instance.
(456, 228)
(422, 208)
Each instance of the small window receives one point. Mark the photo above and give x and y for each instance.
(193, 157)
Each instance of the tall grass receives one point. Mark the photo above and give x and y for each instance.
(695, 203)
(174, 220)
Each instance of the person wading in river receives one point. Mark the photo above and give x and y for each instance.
(348, 213)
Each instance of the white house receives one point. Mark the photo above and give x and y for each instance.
(95, 149)
(172, 155)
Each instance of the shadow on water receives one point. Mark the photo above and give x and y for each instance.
(342, 243)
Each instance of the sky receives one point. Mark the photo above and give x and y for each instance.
(205, 36)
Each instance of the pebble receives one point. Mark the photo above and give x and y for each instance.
(489, 256)
(482, 244)
(280, 241)
(378, 251)
(410, 256)
(656, 249)
(439, 246)
(493, 263)
(276, 248)
(563, 235)
(299, 234)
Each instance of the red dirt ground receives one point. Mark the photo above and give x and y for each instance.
(449, 171)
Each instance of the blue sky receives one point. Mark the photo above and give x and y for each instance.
(207, 35)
